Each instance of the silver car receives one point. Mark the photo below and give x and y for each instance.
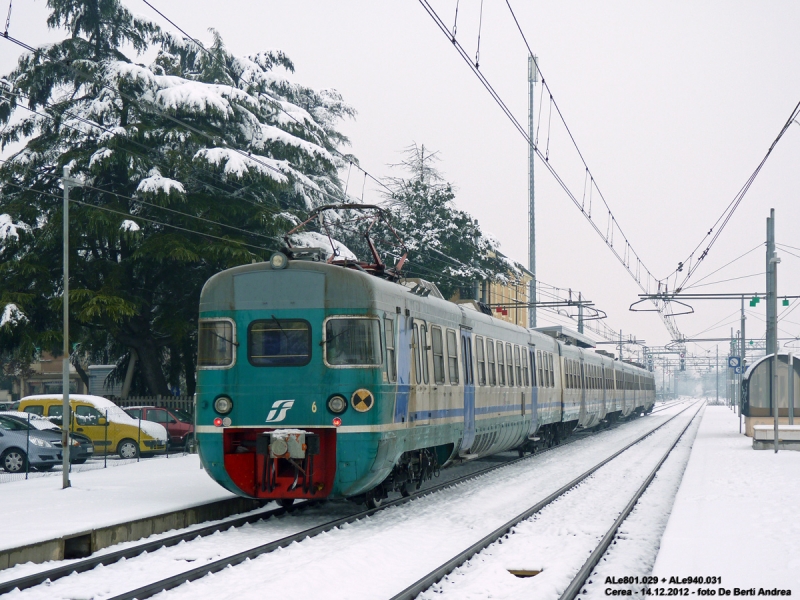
(20, 447)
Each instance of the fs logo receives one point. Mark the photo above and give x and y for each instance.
(279, 410)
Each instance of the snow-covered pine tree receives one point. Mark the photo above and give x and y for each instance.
(191, 164)
(446, 245)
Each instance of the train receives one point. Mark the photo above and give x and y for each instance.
(318, 379)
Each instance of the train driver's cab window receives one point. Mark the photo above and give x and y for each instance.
(490, 360)
(216, 343)
(279, 343)
(452, 357)
(352, 342)
(391, 360)
(437, 347)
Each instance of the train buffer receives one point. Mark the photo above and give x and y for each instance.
(788, 437)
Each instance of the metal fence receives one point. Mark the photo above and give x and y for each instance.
(184, 403)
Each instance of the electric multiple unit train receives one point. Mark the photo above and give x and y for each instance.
(320, 380)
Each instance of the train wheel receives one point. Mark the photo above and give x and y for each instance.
(408, 489)
(286, 502)
(521, 452)
(373, 499)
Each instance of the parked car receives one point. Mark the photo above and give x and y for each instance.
(81, 447)
(179, 424)
(109, 427)
(6, 405)
(20, 447)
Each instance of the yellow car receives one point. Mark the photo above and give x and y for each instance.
(109, 427)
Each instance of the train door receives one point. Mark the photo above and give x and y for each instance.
(404, 335)
(469, 390)
(584, 413)
(534, 391)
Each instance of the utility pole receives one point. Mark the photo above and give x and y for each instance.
(790, 383)
(717, 363)
(580, 313)
(533, 77)
(620, 345)
(772, 316)
(67, 182)
(741, 375)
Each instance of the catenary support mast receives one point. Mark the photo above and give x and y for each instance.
(532, 79)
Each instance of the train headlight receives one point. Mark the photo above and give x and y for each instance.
(223, 405)
(362, 400)
(337, 404)
(278, 260)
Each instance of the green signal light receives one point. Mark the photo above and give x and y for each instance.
(785, 302)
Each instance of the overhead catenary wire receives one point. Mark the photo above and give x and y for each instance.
(651, 280)
(730, 209)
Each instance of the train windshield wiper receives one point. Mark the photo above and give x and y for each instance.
(222, 337)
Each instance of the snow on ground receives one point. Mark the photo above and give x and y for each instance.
(558, 540)
(637, 542)
(736, 512)
(381, 555)
(103, 497)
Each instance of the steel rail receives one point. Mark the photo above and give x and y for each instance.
(451, 565)
(106, 559)
(88, 564)
(574, 588)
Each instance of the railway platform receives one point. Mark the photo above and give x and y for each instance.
(43, 522)
(735, 513)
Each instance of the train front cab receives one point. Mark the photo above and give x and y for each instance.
(290, 359)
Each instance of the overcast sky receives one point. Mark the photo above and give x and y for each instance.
(673, 105)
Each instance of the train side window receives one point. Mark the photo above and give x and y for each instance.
(417, 362)
(391, 360)
(452, 357)
(279, 343)
(438, 355)
(525, 359)
(479, 354)
(490, 357)
(550, 364)
(510, 365)
(501, 365)
(466, 355)
(423, 334)
(542, 381)
(518, 366)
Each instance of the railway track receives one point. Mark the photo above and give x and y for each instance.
(51, 575)
(580, 578)
(83, 565)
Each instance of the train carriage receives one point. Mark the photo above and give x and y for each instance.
(318, 380)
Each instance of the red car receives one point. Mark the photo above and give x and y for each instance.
(179, 424)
